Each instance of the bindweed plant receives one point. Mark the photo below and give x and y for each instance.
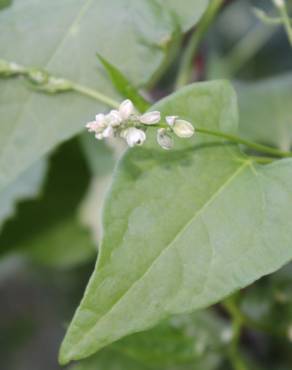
(185, 199)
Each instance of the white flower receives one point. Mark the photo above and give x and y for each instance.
(150, 118)
(134, 136)
(126, 109)
(170, 120)
(114, 118)
(164, 139)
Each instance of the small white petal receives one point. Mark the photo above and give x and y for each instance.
(134, 136)
(126, 109)
(164, 139)
(91, 126)
(114, 118)
(108, 132)
(183, 128)
(171, 120)
(150, 118)
(100, 118)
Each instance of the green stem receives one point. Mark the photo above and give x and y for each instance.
(185, 68)
(11, 69)
(235, 139)
(286, 21)
(237, 324)
(247, 47)
(234, 311)
(262, 160)
(94, 94)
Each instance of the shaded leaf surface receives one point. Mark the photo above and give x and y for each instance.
(180, 343)
(47, 230)
(266, 111)
(27, 186)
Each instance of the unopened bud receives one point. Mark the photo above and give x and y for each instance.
(183, 128)
(134, 136)
(126, 109)
(150, 118)
(164, 139)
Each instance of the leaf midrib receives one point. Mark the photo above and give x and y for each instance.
(244, 164)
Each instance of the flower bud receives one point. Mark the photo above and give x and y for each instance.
(183, 128)
(126, 109)
(150, 118)
(134, 136)
(164, 139)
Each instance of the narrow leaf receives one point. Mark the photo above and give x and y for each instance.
(124, 86)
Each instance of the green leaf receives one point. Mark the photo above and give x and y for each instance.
(187, 12)
(27, 186)
(124, 86)
(183, 229)
(5, 3)
(47, 230)
(182, 343)
(130, 33)
(109, 359)
(266, 111)
(185, 339)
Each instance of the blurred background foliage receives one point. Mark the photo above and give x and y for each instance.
(48, 243)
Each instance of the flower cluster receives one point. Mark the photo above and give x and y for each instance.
(127, 123)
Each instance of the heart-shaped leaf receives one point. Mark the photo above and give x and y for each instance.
(183, 229)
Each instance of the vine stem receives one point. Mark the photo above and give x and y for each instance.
(185, 67)
(235, 139)
(94, 94)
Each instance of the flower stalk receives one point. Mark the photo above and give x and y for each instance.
(45, 82)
